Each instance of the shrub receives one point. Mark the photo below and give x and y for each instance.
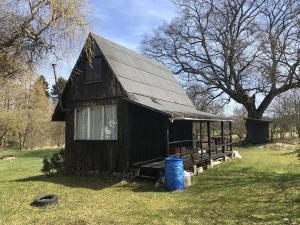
(54, 165)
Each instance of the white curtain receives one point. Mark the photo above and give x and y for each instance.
(81, 124)
(96, 123)
(110, 121)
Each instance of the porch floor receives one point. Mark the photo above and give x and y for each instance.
(155, 167)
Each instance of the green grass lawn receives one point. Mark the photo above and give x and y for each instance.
(262, 188)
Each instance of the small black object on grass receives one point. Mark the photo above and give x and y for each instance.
(45, 200)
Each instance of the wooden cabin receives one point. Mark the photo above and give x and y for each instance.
(122, 109)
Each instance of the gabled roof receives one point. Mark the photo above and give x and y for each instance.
(149, 83)
(142, 76)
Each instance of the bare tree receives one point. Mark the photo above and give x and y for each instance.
(202, 100)
(247, 50)
(239, 113)
(285, 111)
(33, 30)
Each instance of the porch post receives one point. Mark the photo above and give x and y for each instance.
(168, 145)
(222, 136)
(167, 138)
(201, 141)
(208, 138)
(230, 135)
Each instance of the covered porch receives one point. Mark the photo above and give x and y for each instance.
(197, 141)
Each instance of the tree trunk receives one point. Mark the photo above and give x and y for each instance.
(20, 141)
(298, 129)
(2, 139)
(24, 140)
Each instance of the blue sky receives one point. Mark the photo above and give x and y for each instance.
(126, 21)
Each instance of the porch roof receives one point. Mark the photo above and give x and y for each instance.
(175, 111)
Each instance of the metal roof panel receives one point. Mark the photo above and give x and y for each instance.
(145, 80)
(141, 75)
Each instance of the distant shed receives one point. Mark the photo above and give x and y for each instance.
(258, 130)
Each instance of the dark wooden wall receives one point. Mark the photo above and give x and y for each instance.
(109, 155)
(257, 131)
(102, 155)
(181, 130)
(147, 134)
(79, 89)
(82, 156)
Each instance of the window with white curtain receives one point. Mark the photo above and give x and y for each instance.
(81, 123)
(96, 123)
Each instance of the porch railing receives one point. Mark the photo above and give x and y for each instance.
(196, 145)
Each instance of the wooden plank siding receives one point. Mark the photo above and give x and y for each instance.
(181, 130)
(85, 155)
(79, 90)
(147, 134)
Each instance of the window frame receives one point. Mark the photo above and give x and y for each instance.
(89, 123)
(91, 66)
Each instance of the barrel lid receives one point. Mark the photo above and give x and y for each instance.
(173, 159)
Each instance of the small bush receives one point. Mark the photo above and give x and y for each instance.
(54, 165)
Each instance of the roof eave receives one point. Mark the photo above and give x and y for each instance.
(148, 107)
(202, 119)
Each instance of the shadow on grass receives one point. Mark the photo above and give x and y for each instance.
(142, 185)
(95, 183)
(242, 195)
(245, 196)
(245, 179)
(296, 151)
(230, 179)
(233, 196)
(219, 180)
(43, 153)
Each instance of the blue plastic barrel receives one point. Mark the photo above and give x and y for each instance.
(174, 174)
